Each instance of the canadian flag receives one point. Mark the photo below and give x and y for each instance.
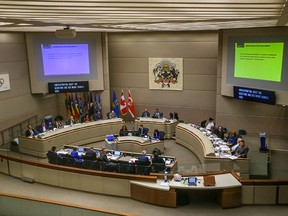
(123, 106)
(131, 107)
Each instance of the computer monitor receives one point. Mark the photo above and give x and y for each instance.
(117, 153)
(80, 149)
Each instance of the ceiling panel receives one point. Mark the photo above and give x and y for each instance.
(137, 15)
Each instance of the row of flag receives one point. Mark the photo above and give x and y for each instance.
(90, 104)
(122, 106)
(79, 107)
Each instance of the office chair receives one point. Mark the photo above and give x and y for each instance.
(158, 167)
(203, 123)
(162, 135)
(53, 159)
(126, 168)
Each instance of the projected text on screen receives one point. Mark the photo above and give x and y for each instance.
(260, 61)
(65, 59)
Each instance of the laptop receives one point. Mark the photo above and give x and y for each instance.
(116, 155)
(81, 150)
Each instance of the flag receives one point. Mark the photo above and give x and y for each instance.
(95, 106)
(66, 101)
(72, 112)
(131, 106)
(123, 106)
(76, 107)
(115, 104)
(99, 105)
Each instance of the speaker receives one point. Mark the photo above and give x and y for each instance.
(65, 33)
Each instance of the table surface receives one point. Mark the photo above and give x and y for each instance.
(68, 128)
(223, 181)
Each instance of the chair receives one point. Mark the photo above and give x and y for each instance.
(162, 135)
(203, 123)
(87, 164)
(143, 169)
(53, 159)
(158, 167)
(126, 168)
(68, 160)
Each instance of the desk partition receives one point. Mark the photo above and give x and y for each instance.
(79, 134)
(166, 125)
(138, 144)
(202, 147)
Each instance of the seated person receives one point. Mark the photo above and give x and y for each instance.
(143, 159)
(98, 116)
(145, 113)
(110, 166)
(123, 131)
(241, 150)
(76, 156)
(232, 139)
(57, 124)
(157, 114)
(90, 154)
(219, 132)
(234, 147)
(87, 118)
(156, 158)
(156, 134)
(42, 127)
(210, 124)
(71, 121)
(30, 132)
(142, 131)
(52, 155)
(112, 115)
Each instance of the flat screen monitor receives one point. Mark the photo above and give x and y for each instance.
(63, 87)
(53, 59)
(256, 95)
(80, 149)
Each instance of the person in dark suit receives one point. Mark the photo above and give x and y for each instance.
(110, 166)
(91, 154)
(143, 159)
(97, 116)
(42, 127)
(242, 150)
(145, 113)
(157, 114)
(112, 115)
(30, 132)
(71, 121)
(156, 135)
(53, 157)
(142, 130)
(156, 158)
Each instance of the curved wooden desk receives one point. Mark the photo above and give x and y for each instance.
(78, 134)
(137, 144)
(227, 187)
(166, 125)
(201, 146)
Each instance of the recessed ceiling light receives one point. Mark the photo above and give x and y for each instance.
(5, 23)
(24, 24)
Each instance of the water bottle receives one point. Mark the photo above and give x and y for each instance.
(165, 176)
